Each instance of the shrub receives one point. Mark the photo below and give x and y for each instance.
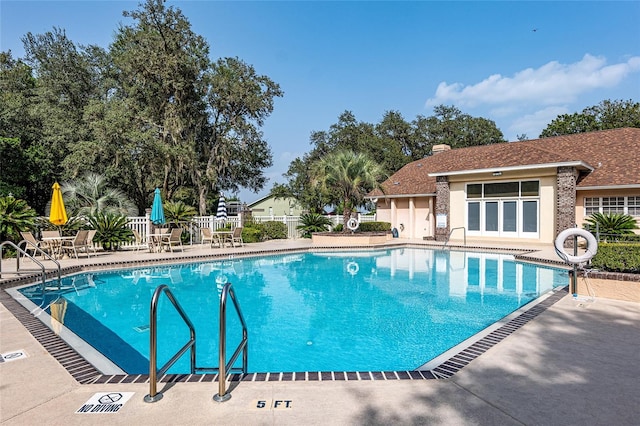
(338, 228)
(313, 222)
(15, 216)
(374, 227)
(111, 230)
(611, 223)
(617, 257)
(252, 233)
(274, 230)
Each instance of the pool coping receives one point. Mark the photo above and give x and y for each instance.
(85, 373)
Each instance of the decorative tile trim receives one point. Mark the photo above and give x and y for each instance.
(83, 372)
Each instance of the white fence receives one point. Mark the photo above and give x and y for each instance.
(143, 225)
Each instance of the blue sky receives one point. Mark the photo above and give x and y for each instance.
(517, 63)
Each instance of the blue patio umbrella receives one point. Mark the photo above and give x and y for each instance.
(157, 211)
(221, 214)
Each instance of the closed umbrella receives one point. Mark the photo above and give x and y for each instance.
(221, 214)
(157, 211)
(57, 214)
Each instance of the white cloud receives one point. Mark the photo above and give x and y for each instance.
(532, 124)
(552, 83)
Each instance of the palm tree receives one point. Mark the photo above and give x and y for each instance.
(611, 223)
(91, 194)
(15, 216)
(178, 212)
(347, 177)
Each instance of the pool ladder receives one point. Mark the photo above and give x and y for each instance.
(224, 366)
(36, 249)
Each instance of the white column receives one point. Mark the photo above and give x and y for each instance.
(430, 230)
(393, 214)
(412, 218)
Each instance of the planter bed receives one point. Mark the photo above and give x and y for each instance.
(611, 285)
(355, 239)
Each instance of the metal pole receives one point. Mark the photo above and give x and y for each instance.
(153, 352)
(222, 396)
(574, 279)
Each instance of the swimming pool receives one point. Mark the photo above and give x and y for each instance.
(348, 311)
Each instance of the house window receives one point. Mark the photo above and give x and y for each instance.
(633, 206)
(619, 205)
(591, 206)
(473, 216)
(613, 205)
(507, 209)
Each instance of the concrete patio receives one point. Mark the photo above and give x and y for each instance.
(574, 363)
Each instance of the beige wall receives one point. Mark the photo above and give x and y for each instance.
(415, 214)
(547, 205)
(423, 223)
(600, 193)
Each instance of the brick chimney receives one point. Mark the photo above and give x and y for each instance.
(437, 149)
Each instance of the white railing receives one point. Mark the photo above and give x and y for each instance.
(142, 224)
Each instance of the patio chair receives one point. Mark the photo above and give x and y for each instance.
(139, 241)
(235, 237)
(209, 237)
(78, 243)
(52, 240)
(50, 234)
(173, 239)
(34, 245)
(90, 244)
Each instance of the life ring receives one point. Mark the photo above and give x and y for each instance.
(592, 245)
(353, 224)
(352, 268)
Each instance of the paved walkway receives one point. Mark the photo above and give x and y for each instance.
(576, 363)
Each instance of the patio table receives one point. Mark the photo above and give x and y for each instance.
(221, 235)
(155, 241)
(56, 244)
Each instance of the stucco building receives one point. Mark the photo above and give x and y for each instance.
(528, 190)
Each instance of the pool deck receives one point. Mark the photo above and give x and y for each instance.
(574, 363)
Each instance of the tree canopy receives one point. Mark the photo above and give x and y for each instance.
(391, 144)
(152, 110)
(606, 115)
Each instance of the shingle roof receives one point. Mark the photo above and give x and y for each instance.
(613, 154)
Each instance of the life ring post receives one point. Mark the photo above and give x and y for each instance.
(576, 260)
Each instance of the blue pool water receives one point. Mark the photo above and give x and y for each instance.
(349, 311)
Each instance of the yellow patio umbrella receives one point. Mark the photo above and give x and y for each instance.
(58, 214)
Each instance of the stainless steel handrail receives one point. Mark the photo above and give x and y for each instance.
(223, 366)
(43, 253)
(154, 395)
(19, 250)
(451, 232)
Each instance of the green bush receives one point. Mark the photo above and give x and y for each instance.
(252, 233)
(338, 228)
(617, 257)
(313, 222)
(274, 230)
(15, 216)
(111, 230)
(374, 227)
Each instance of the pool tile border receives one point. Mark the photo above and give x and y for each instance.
(85, 373)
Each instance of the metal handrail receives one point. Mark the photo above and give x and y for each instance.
(451, 232)
(223, 366)
(154, 395)
(43, 253)
(42, 267)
